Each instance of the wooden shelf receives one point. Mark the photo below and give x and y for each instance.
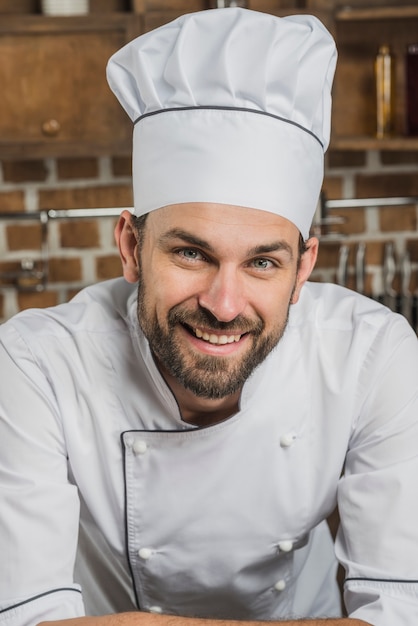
(376, 13)
(360, 31)
(372, 143)
(61, 104)
(41, 24)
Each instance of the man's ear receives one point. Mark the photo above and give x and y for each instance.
(307, 263)
(127, 242)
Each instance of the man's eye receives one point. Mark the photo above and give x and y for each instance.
(190, 254)
(262, 264)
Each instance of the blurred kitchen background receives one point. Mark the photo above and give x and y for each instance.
(65, 170)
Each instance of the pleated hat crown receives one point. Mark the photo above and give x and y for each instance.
(230, 106)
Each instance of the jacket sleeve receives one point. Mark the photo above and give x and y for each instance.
(378, 496)
(39, 507)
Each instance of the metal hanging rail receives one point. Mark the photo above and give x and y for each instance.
(343, 203)
(322, 220)
(53, 214)
(352, 203)
(99, 212)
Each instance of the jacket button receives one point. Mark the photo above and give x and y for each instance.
(139, 446)
(280, 585)
(287, 440)
(145, 553)
(286, 546)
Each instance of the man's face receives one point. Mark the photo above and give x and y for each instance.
(215, 286)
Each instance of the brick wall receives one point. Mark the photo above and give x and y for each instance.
(371, 175)
(79, 251)
(82, 251)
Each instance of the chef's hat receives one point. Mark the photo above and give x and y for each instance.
(229, 106)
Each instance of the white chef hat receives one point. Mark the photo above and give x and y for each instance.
(229, 106)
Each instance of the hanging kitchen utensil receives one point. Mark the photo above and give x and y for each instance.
(360, 267)
(406, 295)
(342, 269)
(389, 271)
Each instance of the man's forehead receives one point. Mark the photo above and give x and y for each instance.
(200, 214)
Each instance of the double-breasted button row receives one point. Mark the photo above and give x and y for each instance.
(145, 554)
(284, 546)
(139, 446)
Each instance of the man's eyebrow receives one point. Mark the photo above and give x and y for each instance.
(178, 233)
(275, 246)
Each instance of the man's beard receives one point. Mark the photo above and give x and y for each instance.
(206, 376)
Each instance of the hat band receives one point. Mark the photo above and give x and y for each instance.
(224, 108)
(227, 157)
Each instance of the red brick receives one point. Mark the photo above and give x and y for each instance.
(398, 158)
(12, 202)
(338, 158)
(332, 187)
(35, 299)
(86, 197)
(387, 185)
(64, 270)
(403, 218)
(24, 237)
(122, 166)
(70, 169)
(79, 234)
(22, 171)
(328, 254)
(108, 267)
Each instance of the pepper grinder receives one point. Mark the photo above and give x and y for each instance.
(384, 75)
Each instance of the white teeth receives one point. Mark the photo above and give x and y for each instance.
(216, 339)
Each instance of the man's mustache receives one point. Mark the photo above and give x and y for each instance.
(204, 318)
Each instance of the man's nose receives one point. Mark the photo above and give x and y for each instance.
(223, 294)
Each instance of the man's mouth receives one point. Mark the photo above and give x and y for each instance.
(215, 339)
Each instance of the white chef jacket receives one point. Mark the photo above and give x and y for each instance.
(99, 472)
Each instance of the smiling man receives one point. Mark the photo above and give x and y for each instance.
(173, 441)
(226, 278)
